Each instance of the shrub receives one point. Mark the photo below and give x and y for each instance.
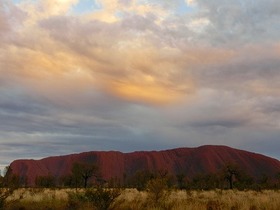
(4, 194)
(75, 200)
(45, 181)
(98, 198)
(102, 198)
(157, 191)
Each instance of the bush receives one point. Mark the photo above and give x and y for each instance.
(98, 198)
(157, 191)
(45, 181)
(102, 198)
(75, 200)
(4, 194)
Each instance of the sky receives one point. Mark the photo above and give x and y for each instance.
(130, 75)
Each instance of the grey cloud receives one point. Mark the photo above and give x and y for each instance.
(78, 32)
(241, 70)
(262, 141)
(270, 105)
(97, 34)
(139, 22)
(21, 105)
(230, 123)
(241, 21)
(57, 121)
(166, 4)
(102, 116)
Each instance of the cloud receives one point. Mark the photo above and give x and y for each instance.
(143, 62)
(11, 19)
(238, 22)
(55, 7)
(190, 2)
(133, 75)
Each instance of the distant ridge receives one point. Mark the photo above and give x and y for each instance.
(190, 161)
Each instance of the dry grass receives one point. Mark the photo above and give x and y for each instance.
(197, 200)
(132, 199)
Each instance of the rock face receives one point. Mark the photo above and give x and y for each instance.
(190, 161)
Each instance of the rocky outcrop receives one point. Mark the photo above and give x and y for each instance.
(190, 161)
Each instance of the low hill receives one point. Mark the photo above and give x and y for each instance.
(189, 161)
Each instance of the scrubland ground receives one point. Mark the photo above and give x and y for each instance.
(132, 199)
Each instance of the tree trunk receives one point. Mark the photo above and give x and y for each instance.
(231, 181)
(86, 180)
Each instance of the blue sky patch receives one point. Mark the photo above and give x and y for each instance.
(86, 6)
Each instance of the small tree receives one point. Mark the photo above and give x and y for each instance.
(265, 181)
(245, 181)
(67, 181)
(181, 181)
(102, 198)
(1, 181)
(83, 171)
(4, 194)
(45, 181)
(231, 172)
(12, 180)
(277, 176)
(157, 189)
(140, 179)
